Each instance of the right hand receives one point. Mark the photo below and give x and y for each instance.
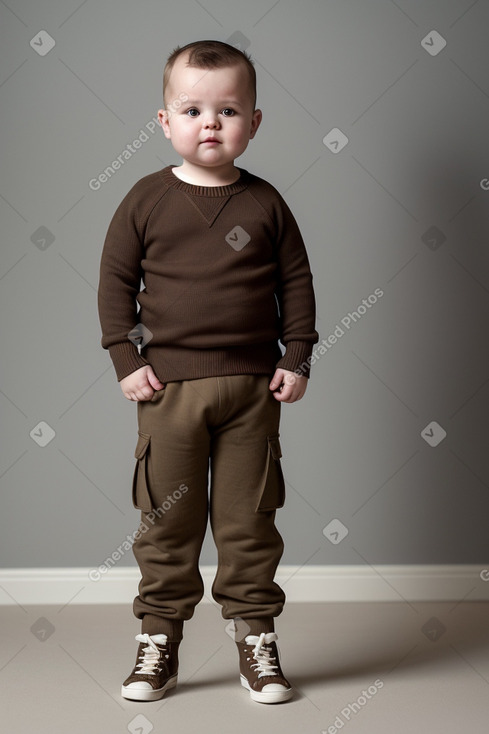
(141, 384)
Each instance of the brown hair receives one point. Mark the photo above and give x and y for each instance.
(211, 55)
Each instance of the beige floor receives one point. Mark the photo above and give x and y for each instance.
(64, 674)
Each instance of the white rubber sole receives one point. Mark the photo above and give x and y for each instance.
(135, 694)
(267, 696)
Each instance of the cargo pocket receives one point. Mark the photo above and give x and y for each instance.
(141, 497)
(272, 486)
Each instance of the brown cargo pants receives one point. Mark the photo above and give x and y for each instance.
(229, 426)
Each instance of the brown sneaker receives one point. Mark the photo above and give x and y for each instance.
(155, 671)
(260, 671)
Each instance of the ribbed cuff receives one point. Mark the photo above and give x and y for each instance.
(252, 626)
(126, 359)
(154, 625)
(296, 358)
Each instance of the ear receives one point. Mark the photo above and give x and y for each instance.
(255, 123)
(164, 120)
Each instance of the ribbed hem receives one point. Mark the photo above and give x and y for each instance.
(296, 358)
(172, 364)
(126, 359)
(154, 625)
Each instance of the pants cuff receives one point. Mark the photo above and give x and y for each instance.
(154, 625)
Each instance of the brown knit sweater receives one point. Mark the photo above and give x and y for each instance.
(225, 276)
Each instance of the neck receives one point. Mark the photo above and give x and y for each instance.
(202, 176)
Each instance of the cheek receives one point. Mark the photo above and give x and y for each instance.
(182, 132)
(239, 134)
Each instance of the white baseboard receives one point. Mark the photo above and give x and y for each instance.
(61, 586)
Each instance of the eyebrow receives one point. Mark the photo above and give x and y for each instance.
(225, 102)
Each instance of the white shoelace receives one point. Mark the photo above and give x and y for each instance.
(262, 654)
(150, 658)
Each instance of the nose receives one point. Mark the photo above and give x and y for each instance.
(211, 121)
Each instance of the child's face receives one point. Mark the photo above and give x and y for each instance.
(215, 124)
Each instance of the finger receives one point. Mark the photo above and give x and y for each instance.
(146, 394)
(276, 380)
(155, 383)
(288, 396)
(291, 384)
(281, 395)
(292, 394)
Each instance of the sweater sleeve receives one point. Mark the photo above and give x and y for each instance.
(119, 284)
(295, 294)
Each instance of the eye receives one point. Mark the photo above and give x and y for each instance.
(193, 112)
(228, 112)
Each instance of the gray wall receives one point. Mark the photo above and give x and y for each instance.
(401, 208)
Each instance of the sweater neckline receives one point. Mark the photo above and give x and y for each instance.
(210, 191)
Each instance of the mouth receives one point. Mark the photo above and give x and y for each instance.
(211, 140)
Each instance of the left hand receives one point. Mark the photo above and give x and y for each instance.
(288, 386)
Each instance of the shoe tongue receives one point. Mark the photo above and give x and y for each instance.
(253, 639)
(159, 639)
